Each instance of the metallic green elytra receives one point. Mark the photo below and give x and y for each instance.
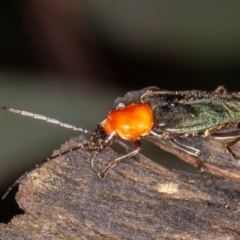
(190, 111)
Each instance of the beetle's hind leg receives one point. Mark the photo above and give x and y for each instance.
(230, 151)
(190, 150)
(235, 135)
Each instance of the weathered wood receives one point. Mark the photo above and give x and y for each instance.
(65, 199)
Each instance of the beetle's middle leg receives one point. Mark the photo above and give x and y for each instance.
(190, 150)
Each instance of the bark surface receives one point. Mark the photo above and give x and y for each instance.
(65, 199)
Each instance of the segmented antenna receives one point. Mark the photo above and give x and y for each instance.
(61, 124)
(54, 121)
(46, 119)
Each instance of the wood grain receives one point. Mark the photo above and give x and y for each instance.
(65, 199)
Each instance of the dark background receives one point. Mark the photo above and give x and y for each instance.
(69, 60)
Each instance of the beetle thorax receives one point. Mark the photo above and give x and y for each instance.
(130, 122)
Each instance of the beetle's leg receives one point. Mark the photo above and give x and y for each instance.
(226, 135)
(235, 135)
(221, 89)
(137, 148)
(190, 150)
(229, 150)
(158, 134)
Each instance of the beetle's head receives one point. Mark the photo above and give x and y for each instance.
(99, 140)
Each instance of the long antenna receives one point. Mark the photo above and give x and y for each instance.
(61, 124)
(46, 119)
(54, 121)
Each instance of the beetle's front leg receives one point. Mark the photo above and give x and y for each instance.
(137, 148)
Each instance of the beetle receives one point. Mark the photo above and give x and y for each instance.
(160, 113)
